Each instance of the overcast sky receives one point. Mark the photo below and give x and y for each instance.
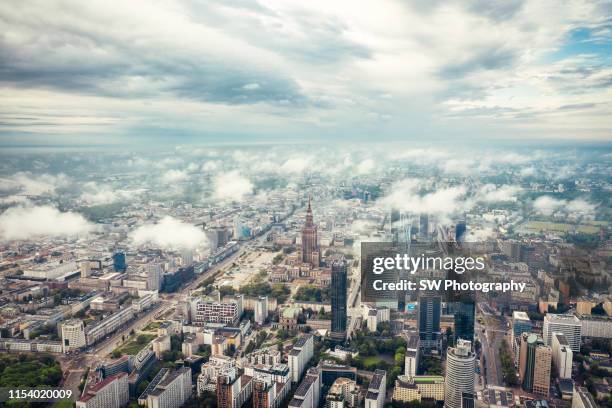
(235, 70)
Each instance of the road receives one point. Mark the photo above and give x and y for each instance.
(491, 340)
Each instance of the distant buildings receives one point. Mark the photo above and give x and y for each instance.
(569, 325)
(300, 355)
(119, 264)
(112, 392)
(460, 363)
(596, 326)
(172, 391)
(339, 299)
(261, 309)
(377, 389)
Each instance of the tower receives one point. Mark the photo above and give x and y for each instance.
(309, 239)
(459, 373)
(338, 298)
(429, 320)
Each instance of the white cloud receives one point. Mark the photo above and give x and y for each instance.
(547, 205)
(366, 166)
(232, 186)
(405, 196)
(174, 176)
(296, 164)
(35, 185)
(491, 193)
(31, 222)
(527, 171)
(210, 166)
(169, 233)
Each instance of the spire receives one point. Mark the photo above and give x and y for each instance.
(309, 209)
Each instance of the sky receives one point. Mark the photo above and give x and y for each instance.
(141, 72)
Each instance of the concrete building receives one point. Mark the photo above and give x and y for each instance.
(73, 335)
(596, 326)
(172, 391)
(233, 390)
(108, 325)
(377, 389)
(535, 366)
(308, 393)
(112, 392)
(300, 355)
(460, 363)
(160, 345)
(208, 311)
(419, 387)
(562, 355)
(569, 325)
(261, 309)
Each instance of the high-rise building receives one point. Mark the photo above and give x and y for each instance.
(300, 355)
(460, 363)
(233, 390)
(310, 246)
(430, 309)
(424, 226)
(73, 335)
(308, 393)
(264, 393)
(536, 358)
(464, 317)
(377, 389)
(569, 325)
(339, 298)
(261, 309)
(520, 324)
(119, 264)
(562, 355)
(112, 392)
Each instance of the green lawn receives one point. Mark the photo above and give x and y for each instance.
(152, 326)
(132, 346)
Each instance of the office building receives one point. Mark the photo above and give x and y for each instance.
(172, 391)
(430, 310)
(300, 355)
(562, 355)
(209, 311)
(73, 335)
(377, 389)
(310, 246)
(111, 392)
(569, 325)
(596, 326)
(460, 364)
(535, 364)
(424, 226)
(520, 324)
(268, 393)
(415, 388)
(464, 319)
(339, 298)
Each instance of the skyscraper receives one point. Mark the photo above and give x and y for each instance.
(460, 362)
(537, 362)
(465, 311)
(569, 325)
(338, 298)
(424, 226)
(430, 310)
(310, 246)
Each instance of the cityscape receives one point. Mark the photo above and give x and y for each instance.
(320, 204)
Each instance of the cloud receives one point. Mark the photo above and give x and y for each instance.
(295, 165)
(174, 176)
(527, 171)
(366, 166)
(18, 223)
(210, 166)
(547, 205)
(98, 194)
(490, 193)
(405, 196)
(35, 185)
(169, 233)
(232, 186)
